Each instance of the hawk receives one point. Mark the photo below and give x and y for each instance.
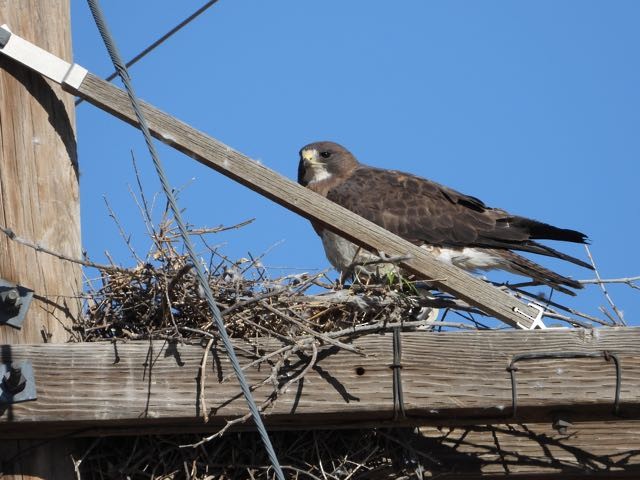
(456, 228)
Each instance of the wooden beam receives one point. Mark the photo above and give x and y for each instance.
(447, 378)
(533, 451)
(274, 186)
(39, 200)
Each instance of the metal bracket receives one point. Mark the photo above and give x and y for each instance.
(396, 367)
(536, 321)
(608, 356)
(14, 303)
(40, 60)
(4, 37)
(560, 423)
(17, 383)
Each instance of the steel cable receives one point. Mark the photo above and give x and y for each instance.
(160, 40)
(121, 68)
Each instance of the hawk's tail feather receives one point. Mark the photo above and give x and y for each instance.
(541, 249)
(543, 231)
(523, 266)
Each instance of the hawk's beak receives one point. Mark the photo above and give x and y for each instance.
(310, 156)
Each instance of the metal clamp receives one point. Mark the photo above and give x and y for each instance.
(396, 368)
(512, 369)
(536, 322)
(4, 37)
(17, 383)
(14, 303)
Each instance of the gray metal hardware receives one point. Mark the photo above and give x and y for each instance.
(14, 303)
(4, 37)
(561, 425)
(17, 382)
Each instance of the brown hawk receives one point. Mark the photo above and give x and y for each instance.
(456, 228)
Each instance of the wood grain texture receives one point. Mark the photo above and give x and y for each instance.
(38, 176)
(448, 379)
(38, 201)
(534, 451)
(289, 194)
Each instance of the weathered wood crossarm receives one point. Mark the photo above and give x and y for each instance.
(447, 378)
(603, 450)
(272, 185)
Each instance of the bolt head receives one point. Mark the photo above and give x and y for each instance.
(14, 381)
(562, 426)
(11, 299)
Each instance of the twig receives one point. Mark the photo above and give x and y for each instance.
(628, 281)
(256, 299)
(213, 337)
(300, 471)
(145, 211)
(550, 313)
(256, 260)
(388, 326)
(362, 463)
(203, 370)
(604, 289)
(310, 330)
(382, 326)
(218, 229)
(77, 463)
(125, 237)
(391, 298)
(267, 403)
(39, 248)
(409, 447)
(305, 370)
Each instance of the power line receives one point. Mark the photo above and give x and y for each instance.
(121, 68)
(160, 41)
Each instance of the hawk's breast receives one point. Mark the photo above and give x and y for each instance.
(346, 256)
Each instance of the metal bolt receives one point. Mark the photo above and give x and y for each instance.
(4, 34)
(561, 426)
(12, 296)
(14, 381)
(11, 299)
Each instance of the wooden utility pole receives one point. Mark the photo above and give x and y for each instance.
(38, 201)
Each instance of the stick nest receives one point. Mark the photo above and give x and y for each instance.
(160, 299)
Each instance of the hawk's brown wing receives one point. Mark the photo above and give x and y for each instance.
(423, 211)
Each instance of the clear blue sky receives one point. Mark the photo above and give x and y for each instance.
(532, 106)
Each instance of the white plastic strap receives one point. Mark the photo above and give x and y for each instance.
(42, 61)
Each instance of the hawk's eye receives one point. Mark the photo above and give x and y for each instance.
(325, 154)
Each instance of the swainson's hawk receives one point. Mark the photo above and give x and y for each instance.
(456, 228)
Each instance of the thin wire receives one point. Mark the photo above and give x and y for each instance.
(160, 41)
(204, 284)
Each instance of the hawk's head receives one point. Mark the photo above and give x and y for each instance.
(323, 160)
